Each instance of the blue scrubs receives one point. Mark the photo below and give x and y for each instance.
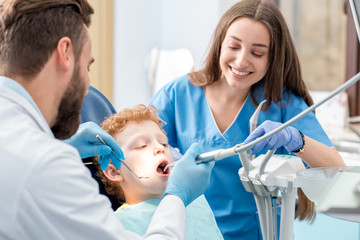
(187, 119)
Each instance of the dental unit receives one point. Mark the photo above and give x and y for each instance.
(269, 174)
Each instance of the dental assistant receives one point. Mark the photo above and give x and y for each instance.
(46, 191)
(252, 58)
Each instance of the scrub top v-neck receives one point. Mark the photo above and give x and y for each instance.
(187, 119)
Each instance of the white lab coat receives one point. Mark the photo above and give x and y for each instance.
(46, 191)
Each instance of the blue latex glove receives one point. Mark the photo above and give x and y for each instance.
(289, 137)
(85, 141)
(176, 154)
(187, 179)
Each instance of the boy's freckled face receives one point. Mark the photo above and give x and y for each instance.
(145, 148)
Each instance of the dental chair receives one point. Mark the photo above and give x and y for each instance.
(96, 108)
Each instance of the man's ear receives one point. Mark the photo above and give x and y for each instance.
(113, 173)
(65, 53)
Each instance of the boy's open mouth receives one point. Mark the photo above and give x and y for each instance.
(161, 167)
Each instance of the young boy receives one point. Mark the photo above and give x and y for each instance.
(145, 146)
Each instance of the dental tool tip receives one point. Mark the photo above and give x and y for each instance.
(169, 165)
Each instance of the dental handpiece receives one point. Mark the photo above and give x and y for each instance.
(254, 118)
(121, 160)
(224, 153)
(215, 155)
(211, 156)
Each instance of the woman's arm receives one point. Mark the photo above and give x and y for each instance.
(317, 154)
(314, 153)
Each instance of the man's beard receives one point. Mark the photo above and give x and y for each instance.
(68, 118)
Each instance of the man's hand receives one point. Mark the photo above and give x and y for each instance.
(85, 141)
(187, 179)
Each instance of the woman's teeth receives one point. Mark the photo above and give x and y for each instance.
(240, 73)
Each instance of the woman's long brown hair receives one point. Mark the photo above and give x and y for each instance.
(283, 70)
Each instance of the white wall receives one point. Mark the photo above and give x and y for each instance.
(168, 24)
(136, 30)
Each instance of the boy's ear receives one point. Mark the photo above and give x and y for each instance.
(113, 174)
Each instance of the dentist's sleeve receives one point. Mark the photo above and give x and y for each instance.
(60, 200)
(169, 220)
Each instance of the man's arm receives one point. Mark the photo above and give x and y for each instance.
(169, 220)
(187, 181)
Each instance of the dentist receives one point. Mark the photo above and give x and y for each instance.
(46, 192)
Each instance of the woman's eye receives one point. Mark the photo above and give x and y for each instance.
(233, 47)
(256, 54)
(165, 144)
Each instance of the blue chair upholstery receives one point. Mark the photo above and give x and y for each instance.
(96, 108)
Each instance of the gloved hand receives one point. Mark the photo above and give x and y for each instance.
(176, 154)
(187, 179)
(289, 137)
(85, 141)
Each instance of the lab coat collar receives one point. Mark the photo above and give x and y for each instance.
(16, 92)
